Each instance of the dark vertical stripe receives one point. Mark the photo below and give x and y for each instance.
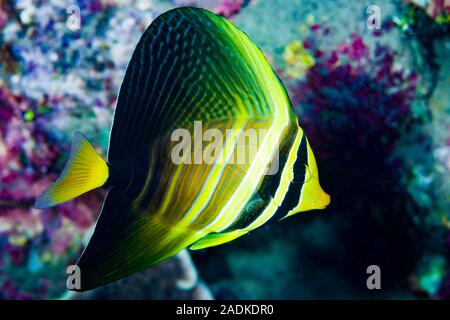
(262, 197)
(292, 197)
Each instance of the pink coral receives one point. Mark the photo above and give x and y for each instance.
(229, 8)
(355, 49)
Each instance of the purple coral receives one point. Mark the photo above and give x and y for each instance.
(357, 94)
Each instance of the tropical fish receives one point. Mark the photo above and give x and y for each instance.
(189, 66)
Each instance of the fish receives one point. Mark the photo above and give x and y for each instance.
(191, 68)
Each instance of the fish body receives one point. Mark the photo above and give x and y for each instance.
(192, 74)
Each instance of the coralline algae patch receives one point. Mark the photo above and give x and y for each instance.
(46, 69)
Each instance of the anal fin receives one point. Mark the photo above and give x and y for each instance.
(215, 239)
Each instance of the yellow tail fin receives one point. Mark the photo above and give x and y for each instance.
(85, 170)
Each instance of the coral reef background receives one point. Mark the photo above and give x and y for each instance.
(375, 104)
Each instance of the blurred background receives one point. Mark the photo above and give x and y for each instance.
(373, 97)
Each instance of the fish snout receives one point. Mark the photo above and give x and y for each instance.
(323, 200)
